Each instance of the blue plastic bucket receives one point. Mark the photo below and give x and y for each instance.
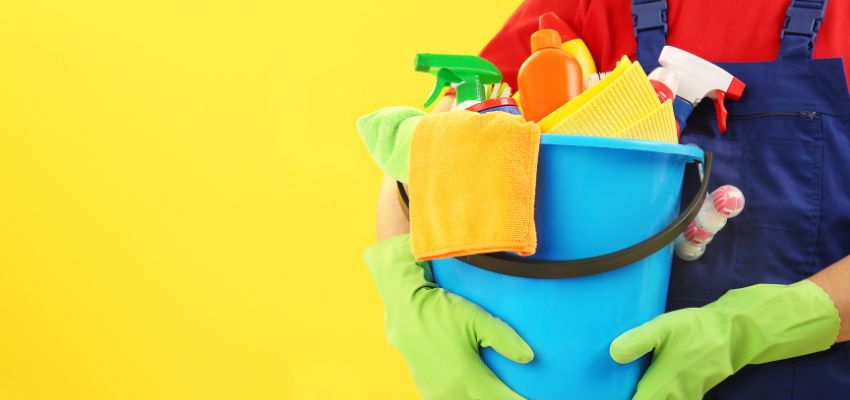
(599, 202)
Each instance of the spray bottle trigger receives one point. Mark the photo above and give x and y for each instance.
(720, 109)
(436, 92)
(445, 77)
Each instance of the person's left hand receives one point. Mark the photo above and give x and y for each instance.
(697, 348)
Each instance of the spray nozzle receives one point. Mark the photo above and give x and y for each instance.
(699, 78)
(470, 73)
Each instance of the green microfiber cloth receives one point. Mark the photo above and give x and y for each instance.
(387, 134)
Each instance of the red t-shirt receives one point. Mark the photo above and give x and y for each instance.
(717, 30)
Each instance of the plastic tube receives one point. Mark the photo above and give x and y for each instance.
(723, 203)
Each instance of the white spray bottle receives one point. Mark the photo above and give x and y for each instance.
(696, 79)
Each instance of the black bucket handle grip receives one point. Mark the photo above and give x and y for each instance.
(510, 265)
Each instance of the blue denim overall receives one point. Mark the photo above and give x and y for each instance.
(788, 149)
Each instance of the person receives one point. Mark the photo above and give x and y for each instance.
(758, 315)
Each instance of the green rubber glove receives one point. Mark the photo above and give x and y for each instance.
(439, 333)
(697, 348)
(387, 134)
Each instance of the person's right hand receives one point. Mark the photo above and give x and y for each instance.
(439, 333)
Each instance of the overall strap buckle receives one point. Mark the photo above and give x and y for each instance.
(650, 15)
(804, 18)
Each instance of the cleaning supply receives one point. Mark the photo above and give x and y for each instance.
(570, 43)
(585, 186)
(697, 348)
(421, 317)
(658, 126)
(623, 104)
(468, 73)
(725, 202)
(549, 77)
(474, 78)
(698, 79)
(387, 134)
(472, 184)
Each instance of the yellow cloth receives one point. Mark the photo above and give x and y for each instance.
(659, 125)
(472, 182)
(622, 105)
(551, 121)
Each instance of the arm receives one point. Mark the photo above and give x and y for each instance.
(391, 220)
(835, 281)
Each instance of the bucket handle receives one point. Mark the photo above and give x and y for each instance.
(507, 265)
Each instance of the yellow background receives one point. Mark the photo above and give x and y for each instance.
(184, 201)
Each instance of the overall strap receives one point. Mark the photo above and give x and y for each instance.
(650, 20)
(802, 22)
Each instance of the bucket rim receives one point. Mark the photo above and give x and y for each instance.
(689, 151)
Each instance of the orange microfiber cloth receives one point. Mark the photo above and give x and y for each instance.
(472, 179)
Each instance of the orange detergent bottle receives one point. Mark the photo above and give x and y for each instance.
(549, 77)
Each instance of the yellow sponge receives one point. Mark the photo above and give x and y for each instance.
(622, 105)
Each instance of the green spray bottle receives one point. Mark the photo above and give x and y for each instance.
(470, 73)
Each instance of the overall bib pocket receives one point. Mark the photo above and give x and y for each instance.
(773, 240)
(778, 228)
